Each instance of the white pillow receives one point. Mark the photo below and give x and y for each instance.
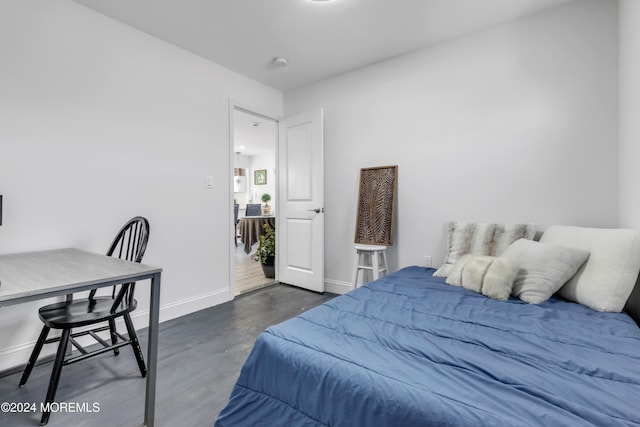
(480, 239)
(491, 276)
(544, 268)
(606, 280)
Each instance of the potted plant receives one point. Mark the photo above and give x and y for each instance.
(266, 252)
(266, 209)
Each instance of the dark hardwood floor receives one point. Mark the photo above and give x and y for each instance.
(199, 359)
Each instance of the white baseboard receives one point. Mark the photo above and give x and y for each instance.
(337, 287)
(16, 357)
(182, 307)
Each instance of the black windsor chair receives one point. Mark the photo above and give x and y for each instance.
(130, 243)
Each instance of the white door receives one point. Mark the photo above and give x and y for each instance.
(300, 223)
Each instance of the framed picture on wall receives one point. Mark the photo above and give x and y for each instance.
(260, 177)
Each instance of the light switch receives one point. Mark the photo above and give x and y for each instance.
(209, 181)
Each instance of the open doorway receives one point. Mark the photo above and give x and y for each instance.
(254, 139)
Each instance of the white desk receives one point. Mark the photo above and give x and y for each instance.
(37, 275)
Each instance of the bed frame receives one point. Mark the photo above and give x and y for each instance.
(632, 308)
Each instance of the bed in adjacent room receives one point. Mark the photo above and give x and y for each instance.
(411, 350)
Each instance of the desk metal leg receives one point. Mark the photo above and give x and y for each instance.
(152, 351)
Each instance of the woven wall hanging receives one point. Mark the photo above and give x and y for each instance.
(376, 205)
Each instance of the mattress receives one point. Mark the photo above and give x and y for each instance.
(409, 350)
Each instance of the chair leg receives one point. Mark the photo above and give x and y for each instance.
(386, 266)
(137, 351)
(34, 355)
(55, 375)
(354, 276)
(375, 264)
(114, 337)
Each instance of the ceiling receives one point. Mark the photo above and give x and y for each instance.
(253, 135)
(319, 39)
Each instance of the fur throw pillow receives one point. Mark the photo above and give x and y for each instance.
(480, 239)
(490, 276)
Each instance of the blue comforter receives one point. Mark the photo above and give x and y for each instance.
(409, 350)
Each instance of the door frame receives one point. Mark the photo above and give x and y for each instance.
(238, 106)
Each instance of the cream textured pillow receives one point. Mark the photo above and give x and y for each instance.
(544, 268)
(480, 239)
(491, 276)
(606, 280)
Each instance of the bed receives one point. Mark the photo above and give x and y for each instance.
(411, 350)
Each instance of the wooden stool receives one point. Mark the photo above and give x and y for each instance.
(368, 259)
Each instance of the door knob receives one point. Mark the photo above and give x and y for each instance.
(317, 210)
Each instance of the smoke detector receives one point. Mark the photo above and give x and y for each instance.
(280, 62)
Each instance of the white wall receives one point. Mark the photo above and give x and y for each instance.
(243, 162)
(514, 124)
(265, 161)
(100, 122)
(629, 114)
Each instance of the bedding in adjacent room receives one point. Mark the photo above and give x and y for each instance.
(409, 350)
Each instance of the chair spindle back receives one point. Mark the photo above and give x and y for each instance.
(129, 244)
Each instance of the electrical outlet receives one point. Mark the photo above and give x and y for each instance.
(427, 261)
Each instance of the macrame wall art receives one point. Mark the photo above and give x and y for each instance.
(376, 205)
